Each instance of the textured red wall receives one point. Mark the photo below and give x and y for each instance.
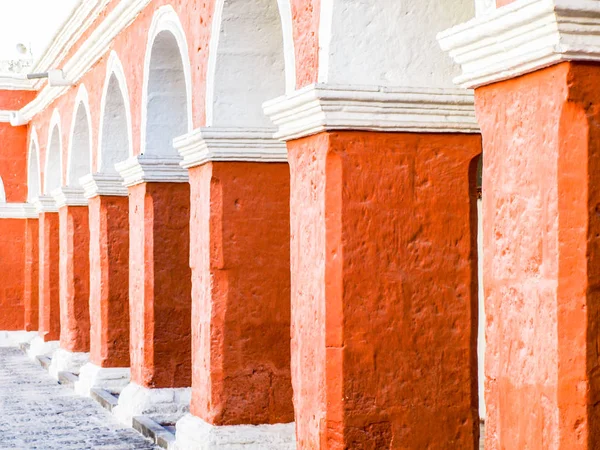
(13, 162)
(74, 279)
(160, 285)
(542, 266)
(12, 264)
(31, 275)
(11, 100)
(49, 326)
(384, 290)
(241, 292)
(109, 281)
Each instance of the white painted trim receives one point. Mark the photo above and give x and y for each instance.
(66, 361)
(18, 211)
(166, 19)
(289, 54)
(34, 144)
(151, 169)
(2, 192)
(5, 116)
(55, 124)
(319, 107)
(82, 98)
(103, 184)
(39, 347)
(523, 37)
(45, 204)
(193, 433)
(15, 83)
(111, 379)
(66, 196)
(89, 53)
(325, 36)
(229, 144)
(114, 67)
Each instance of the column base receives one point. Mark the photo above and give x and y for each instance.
(161, 405)
(193, 433)
(66, 361)
(39, 347)
(14, 338)
(111, 379)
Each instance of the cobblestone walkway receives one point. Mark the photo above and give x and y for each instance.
(38, 413)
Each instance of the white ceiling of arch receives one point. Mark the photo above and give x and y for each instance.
(27, 27)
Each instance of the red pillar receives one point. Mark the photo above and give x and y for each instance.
(12, 265)
(31, 283)
(542, 258)
(384, 290)
(49, 248)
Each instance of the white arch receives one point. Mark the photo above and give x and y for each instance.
(248, 26)
(113, 93)
(166, 20)
(79, 158)
(33, 167)
(2, 192)
(53, 178)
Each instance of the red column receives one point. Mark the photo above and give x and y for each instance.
(12, 262)
(241, 299)
(384, 290)
(31, 284)
(49, 326)
(542, 258)
(74, 279)
(109, 281)
(160, 285)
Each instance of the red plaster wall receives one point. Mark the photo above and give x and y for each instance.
(241, 293)
(31, 276)
(160, 285)
(13, 161)
(384, 290)
(49, 326)
(74, 279)
(541, 196)
(12, 261)
(11, 100)
(109, 281)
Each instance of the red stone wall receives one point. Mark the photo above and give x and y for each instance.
(49, 326)
(384, 290)
(241, 293)
(12, 264)
(31, 276)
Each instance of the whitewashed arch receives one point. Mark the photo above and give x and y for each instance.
(53, 165)
(251, 60)
(387, 42)
(115, 136)
(33, 167)
(80, 142)
(2, 192)
(167, 85)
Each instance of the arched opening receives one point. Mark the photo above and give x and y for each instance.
(52, 174)
(246, 63)
(79, 154)
(2, 192)
(480, 298)
(114, 138)
(33, 172)
(167, 97)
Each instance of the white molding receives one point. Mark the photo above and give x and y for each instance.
(103, 184)
(18, 211)
(5, 116)
(229, 144)
(67, 196)
(523, 37)
(15, 83)
(45, 204)
(321, 107)
(111, 379)
(95, 46)
(151, 169)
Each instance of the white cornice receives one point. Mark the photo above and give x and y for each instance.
(522, 37)
(229, 144)
(322, 107)
(103, 184)
(5, 116)
(10, 82)
(95, 46)
(66, 196)
(45, 204)
(17, 211)
(150, 169)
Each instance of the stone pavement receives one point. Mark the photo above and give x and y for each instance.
(38, 413)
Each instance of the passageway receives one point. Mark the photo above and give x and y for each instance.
(38, 413)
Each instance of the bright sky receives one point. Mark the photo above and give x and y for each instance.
(31, 22)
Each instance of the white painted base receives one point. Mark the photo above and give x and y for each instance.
(111, 379)
(38, 347)
(193, 433)
(66, 361)
(161, 405)
(14, 338)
